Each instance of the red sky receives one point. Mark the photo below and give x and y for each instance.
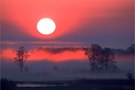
(40, 54)
(92, 21)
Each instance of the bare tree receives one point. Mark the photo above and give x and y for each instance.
(21, 56)
(100, 59)
(107, 59)
(94, 55)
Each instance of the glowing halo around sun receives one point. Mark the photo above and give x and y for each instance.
(46, 26)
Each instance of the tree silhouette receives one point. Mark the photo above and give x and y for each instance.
(21, 56)
(107, 59)
(131, 49)
(130, 76)
(94, 55)
(100, 59)
(7, 84)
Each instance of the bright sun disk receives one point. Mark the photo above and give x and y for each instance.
(46, 26)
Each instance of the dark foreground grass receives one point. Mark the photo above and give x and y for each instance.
(86, 85)
(80, 85)
(77, 88)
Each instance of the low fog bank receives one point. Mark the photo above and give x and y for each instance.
(66, 70)
(46, 64)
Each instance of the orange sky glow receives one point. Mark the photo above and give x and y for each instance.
(65, 55)
(40, 55)
(67, 14)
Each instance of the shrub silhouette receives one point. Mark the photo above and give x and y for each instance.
(7, 84)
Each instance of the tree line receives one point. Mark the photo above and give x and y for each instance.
(100, 58)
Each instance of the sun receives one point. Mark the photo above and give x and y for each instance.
(46, 26)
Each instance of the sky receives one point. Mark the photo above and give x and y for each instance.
(104, 22)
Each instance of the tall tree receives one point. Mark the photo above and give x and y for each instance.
(107, 58)
(100, 59)
(21, 56)
(94, 55)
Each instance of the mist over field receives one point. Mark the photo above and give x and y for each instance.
(54, 64)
